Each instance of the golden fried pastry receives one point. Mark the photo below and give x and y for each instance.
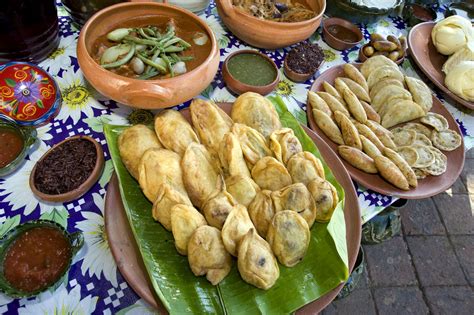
(401, 112)
(384, 72)
(380, 85)
(317, 102)
(261, 211)
(327, 125)
(296, 197)
(217, 208)
(425, 156)
(284, 144)
(332, 90)
(355, 107)
(369, 148)
(402, 165)
(210, 122)
(369, 134)
(391, 172)
(403, 137)
(242, 188)
(386, 95)
(421, 93)
(200, 176)
(288, 236)
(382, 134)
(358, 90)
(446, 140)
(304, 167)
(348, 130)
(256, 111)
(270, 174)
(256, 262)
(422, 140)
(207, 255)
(132, 144)
(254, 145)
(374, 63)
(185, 220)
(439, 165)
(357, 158)
(167, 198)
(370, 111)
(354, 73)
(238, 223)
(325, 198)
(419, 128)
(333, 103)
(436, 121)
(231, 156)
(174, 131)
(408, 154)
(420, 173)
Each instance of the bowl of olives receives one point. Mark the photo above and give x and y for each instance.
(391, 47)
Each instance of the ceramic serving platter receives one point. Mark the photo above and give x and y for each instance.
(427, 187)
(429, 59)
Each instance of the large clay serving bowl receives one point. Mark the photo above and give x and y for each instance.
(146, 94)
(269, 34)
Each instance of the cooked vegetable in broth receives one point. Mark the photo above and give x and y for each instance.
(276, 10)
(153, 51)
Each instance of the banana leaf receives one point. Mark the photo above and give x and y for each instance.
(323, 268)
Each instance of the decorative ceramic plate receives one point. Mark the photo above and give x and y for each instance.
(427, 187)
(28, 94)
(429, 59)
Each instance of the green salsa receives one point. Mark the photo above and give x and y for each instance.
(251, 69)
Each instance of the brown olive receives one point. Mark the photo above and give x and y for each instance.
(403, 42)
(368, 51)
(374, 37)
(384, 45)
(393, 39)
(394, 55)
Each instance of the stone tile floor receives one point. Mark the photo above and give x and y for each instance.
(429, 268)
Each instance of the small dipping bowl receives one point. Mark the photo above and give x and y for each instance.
(84, 187)
(26, 134)
(297, 76)
(363, 57)
(239, 87)
(341, 34)
(75, 240)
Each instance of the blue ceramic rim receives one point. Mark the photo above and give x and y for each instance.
(57, 102)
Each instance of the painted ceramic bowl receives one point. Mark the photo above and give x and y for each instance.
(27, 134)
(355, 13)
(146, 94)
(29, 94)
(76, 241)
(269, 34)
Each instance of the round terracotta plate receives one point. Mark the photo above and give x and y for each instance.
(129, 261)
(430, 186)
(429, 59)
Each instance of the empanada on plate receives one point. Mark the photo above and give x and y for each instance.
(328, 126)
(174, 131)
(261, 211)
(384, 135)
(317, 102)
(369, 148)
(369, 134)
(401, 112)
(382, 73)
(236, 225)
(332, 90)
(388, 93)
(284, 144)
(402, 165)
(403, 137)
(436, 121)
(422, 140)
(185, 220)
(421, 92)
(419, 128)
(380, 85)
(357, 158)
(253, 143)
(354, 73)
(167, 198)
(231, 156)
(374, 63)
(304, 167)
(391, 172)
(217, 208)
(370, 111)
(425, 156)
(242, 188)
(356, 89)
(270, 174)
(446, 140)
(325, 198)
(256, 111)
(333, 103)
(296, 197)
(440, 164)
(355, 107)
(409, 154)
(348, 130)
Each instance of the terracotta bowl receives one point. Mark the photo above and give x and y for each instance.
(296, 76)
(238, 87)
(363, 57)
(269, 34)
(147, 94)
(335, 42)
(84, 187)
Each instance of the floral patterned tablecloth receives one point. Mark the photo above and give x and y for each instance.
(94, 285)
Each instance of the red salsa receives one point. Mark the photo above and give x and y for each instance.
(11, 144)
(36, 259)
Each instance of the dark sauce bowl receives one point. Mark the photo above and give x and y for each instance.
(27, 134)
(84, 187)
(239, 87)
(338, 43)
(76, 241)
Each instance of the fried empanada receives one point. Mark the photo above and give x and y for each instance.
(386, 94)
(391, 172)
(289, 237)
(327, 125)
(358, 90)
(408, 154)
(436, 121)
(242, 188)
(236, 225)
(332, 90)
(261, 211)
(446, 140)
(422, 139)
(325, 198)
(403, 137)
(317, 102)
(440, 164)
(284, 144)
(421, 93)
(304, 167)
(174, 131)
(374, 63)
(231, 156)
(384, 135)
(369, 134)
(354, 73)
(254, 145)
(348, 130)
(402, 165)
(357, 158)
(296, 197)
(132, 144)
(185, 220)
(382, 73)
(401, 112)
(167, 198)
(333, 103)
(217, 207)
(256, 111)
(370, 111)
(355, 107)
(419, 128)
(369, 148)
(270, 174)
(380, 85)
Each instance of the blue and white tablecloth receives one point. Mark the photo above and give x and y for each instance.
(94, 284)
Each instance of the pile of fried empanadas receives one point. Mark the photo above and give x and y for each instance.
(225, 186)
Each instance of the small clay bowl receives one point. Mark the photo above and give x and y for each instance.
(412, 13)
(238, 87)
(363, 57)
(84, 187)
(296, 76)
(336, 42)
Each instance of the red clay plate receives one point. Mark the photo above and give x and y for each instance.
(429, 59)
(128, 258)
(430, 186)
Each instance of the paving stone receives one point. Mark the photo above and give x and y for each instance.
(456, 213)
(450, 300)
(470, 154)
(459, 187)
(420, 217)
(364, 280)
(467, 174)
(359, 301)
(389, 264)
(435, 261)
(406, 300)
(464, 247)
